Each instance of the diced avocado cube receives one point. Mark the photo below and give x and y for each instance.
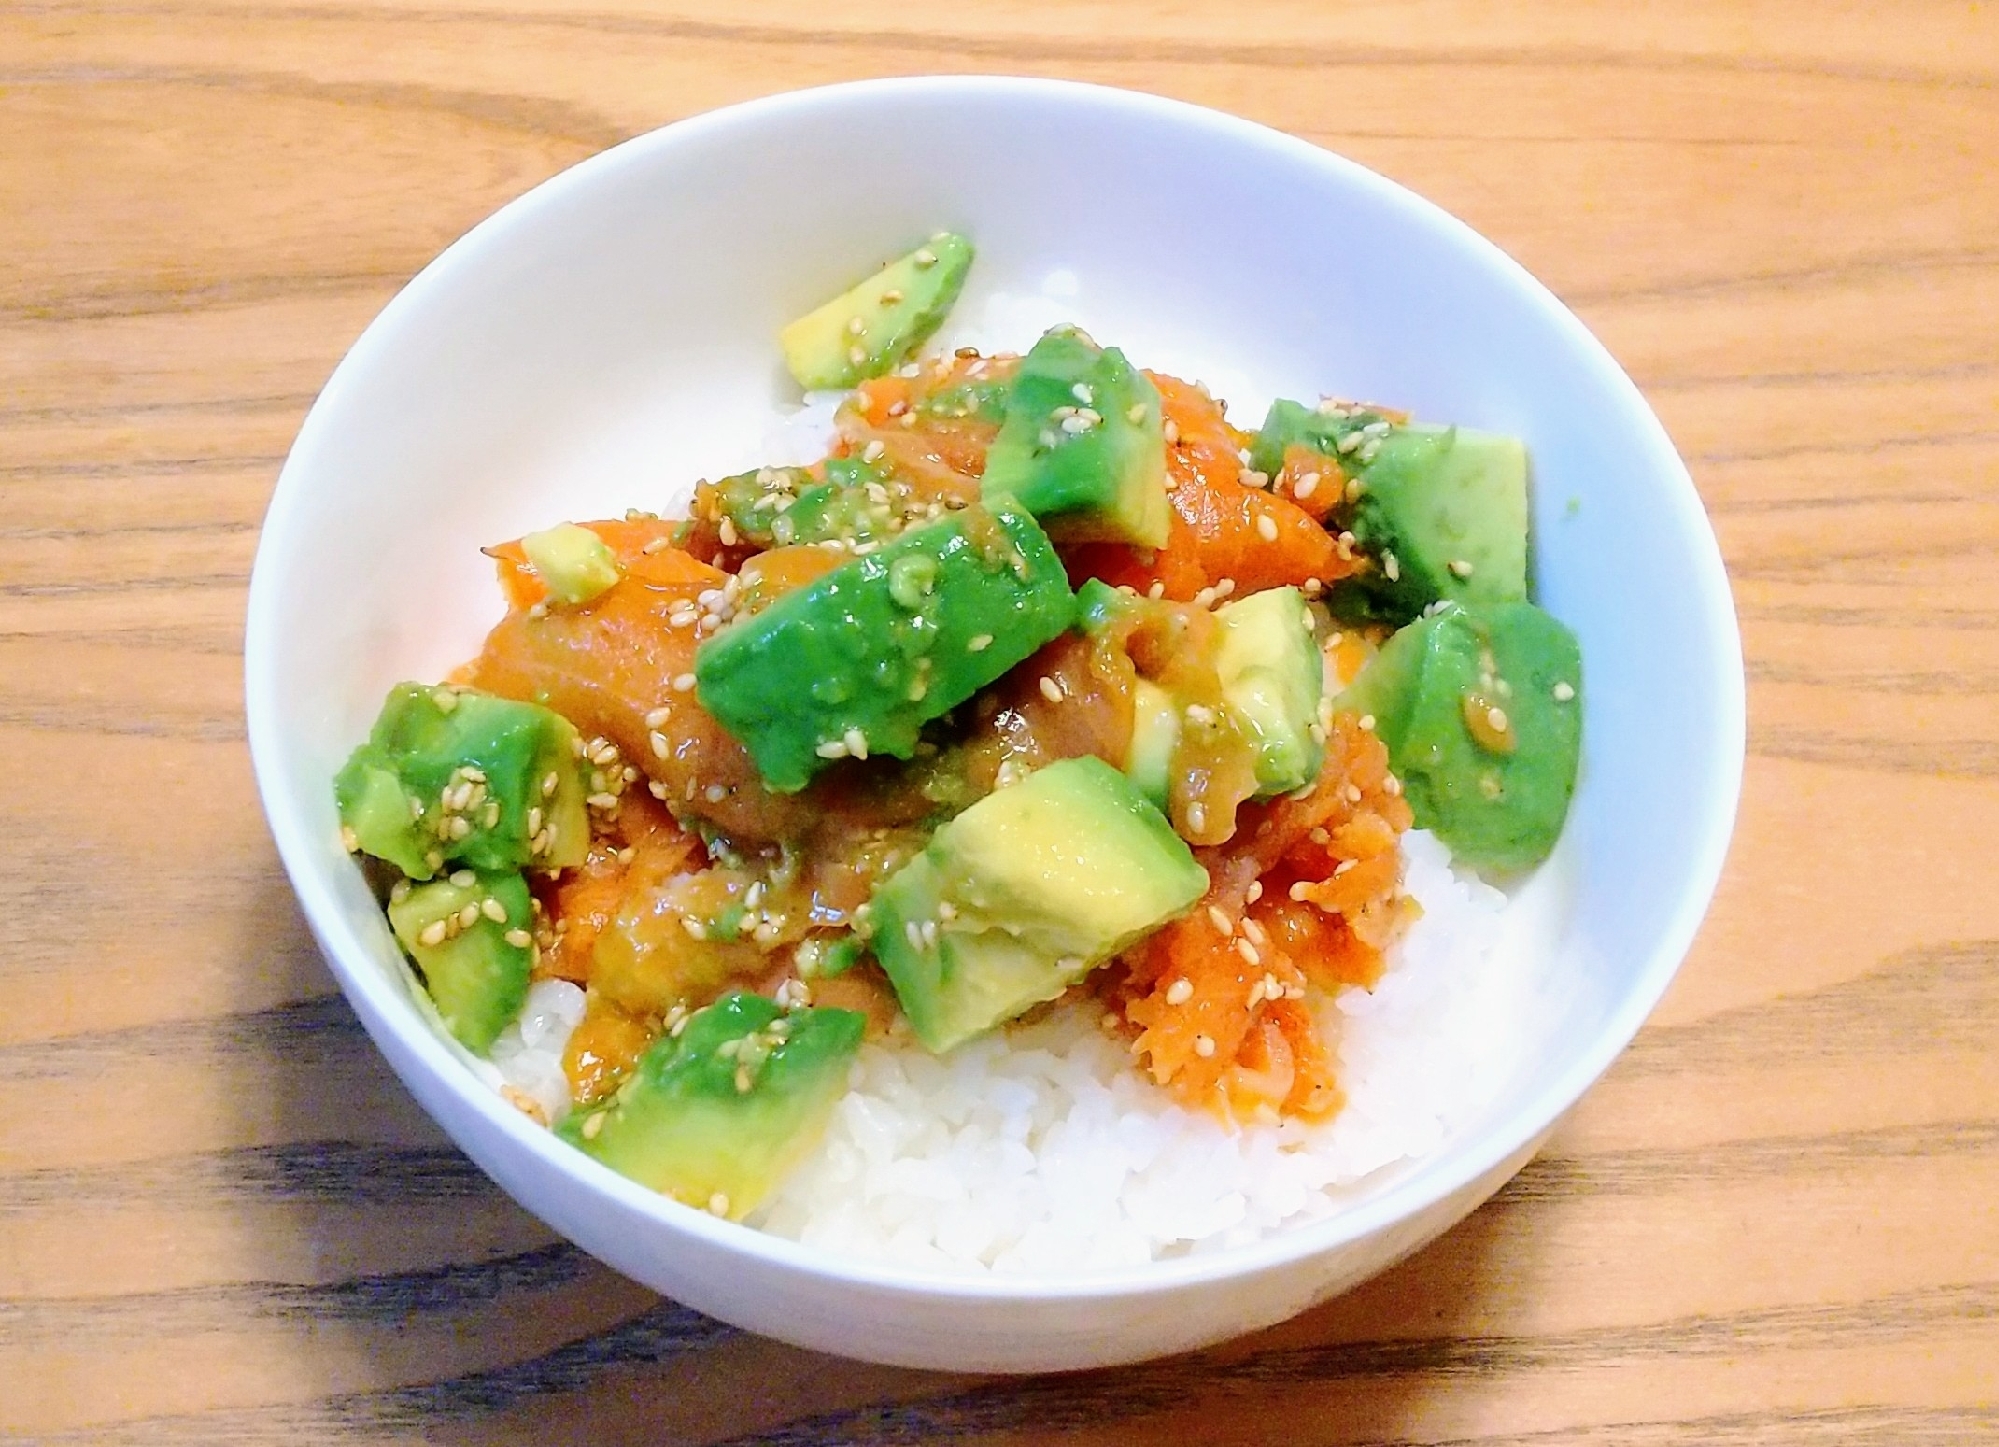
(716, 1116)
(786, 506)
(1441, 511)
(1025, 893)
(1155, 734)
(866, 330)
(471, 935)
(452, 774)
(574, 563)
(1481, 710)
(1273, 677)
(1081, 445)
(858, 660)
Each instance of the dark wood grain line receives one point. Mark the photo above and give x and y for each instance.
(303, 1033)
(139, 468)
(113, 586)
(1873, 754)
(1793, 451)
(1842, 501)
(1940, 998)
(387, 1300)
(1954, 620)
(662, 1334)
(1655, 1172)
(224, 640)
(1912, 683)
(1294, 53)
(1808, 377)
(105, 301)
(111, 413)
(218, 527)
(334, 1172)
(124, 722)
(1829, 1427)
(1050, 1405)
(1855, 565)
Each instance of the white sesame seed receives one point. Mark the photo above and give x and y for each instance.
(694, 927)
(1180, 991)
(1248, 952)
(593, 1126)
(1306, 486)
(1390, 567)
(924, 258)
(1298, 891)
(1266, 528)
(912, 930)
(1461, 567)
(1219, 920)
(1258, 936)
(1171, 431)
(1050, 689)
(520, 939)
(979, 644)
(873, 451)
(683, 683)
(1367, 722)
(1496, 717)
(1197, 818)
(464, 878)
(718, 1204)
(1564, 692)
(1223, 588)
(493, 910)
(1157, 590)
(1254, 892)
(432, 934)
(1204, 1046)
(856, 742)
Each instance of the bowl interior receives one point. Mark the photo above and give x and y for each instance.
(609, 338)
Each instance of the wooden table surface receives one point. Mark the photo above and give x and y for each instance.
(1773, 1222)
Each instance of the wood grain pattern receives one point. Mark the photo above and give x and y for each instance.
(1773, 1223)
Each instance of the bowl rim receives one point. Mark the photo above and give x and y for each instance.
(1431, 1179)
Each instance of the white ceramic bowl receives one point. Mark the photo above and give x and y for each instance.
(609, 336)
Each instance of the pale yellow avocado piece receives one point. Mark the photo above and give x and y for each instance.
(866, 331)
(574, 562)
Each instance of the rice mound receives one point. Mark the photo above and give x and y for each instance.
(1044, 1148)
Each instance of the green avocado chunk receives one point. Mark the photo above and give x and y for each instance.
(574, 562)
(866, 330)
(1155, 734)
(1441, 511)
(777, 507)
(451, 774)
(858, 660)
(1081, 445)
(717, 1115)
(1481, 710)
(1023, 894)
(1273, 677)
(471, 935)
